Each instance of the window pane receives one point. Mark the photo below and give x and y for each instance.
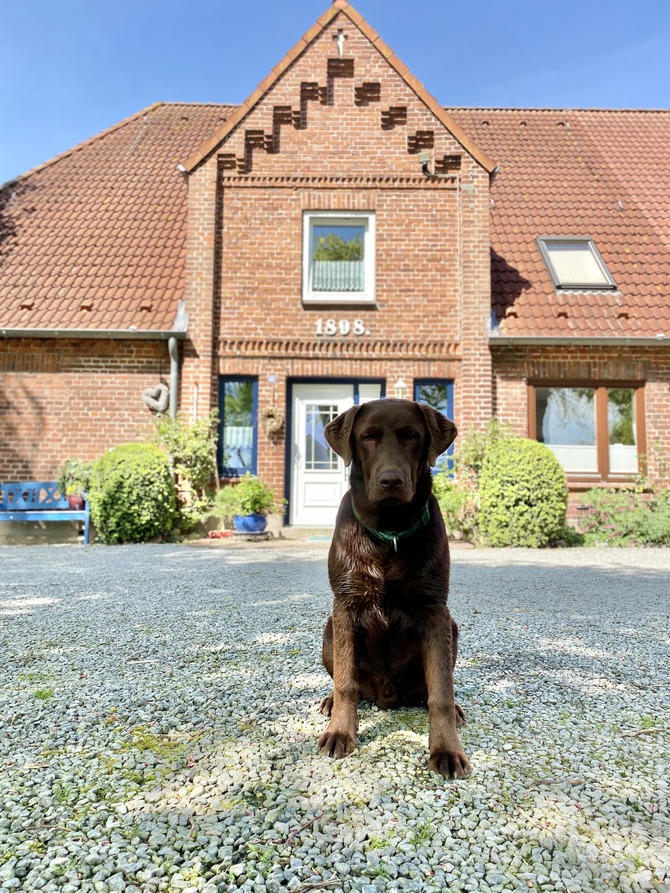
(436, 394)
(566, 422)
(337, 257)
(238, 425)
(433, 394)
(319, 456)
(622, 430)
(575, 264)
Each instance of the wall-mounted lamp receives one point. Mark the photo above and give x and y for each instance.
(400, 389)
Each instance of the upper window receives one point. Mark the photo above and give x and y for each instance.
(238, 434)
(338, 257)
(575, 263)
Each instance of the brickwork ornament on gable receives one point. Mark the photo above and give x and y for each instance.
(367, 92)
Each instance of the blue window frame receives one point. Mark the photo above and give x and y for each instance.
(438, 393)
(237, 445)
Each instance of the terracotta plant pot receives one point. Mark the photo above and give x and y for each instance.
(76, 503)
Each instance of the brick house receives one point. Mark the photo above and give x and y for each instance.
(338, 237)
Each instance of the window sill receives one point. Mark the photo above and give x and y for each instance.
(339, 299)
(577, 484)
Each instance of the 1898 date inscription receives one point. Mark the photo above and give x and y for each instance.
(329, 328)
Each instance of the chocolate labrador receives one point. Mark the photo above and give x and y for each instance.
(390, 639)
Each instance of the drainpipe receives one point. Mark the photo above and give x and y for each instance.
(173, 350)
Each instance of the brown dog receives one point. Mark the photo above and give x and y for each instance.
(391, 639)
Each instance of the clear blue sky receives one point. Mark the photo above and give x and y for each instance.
(71, 68)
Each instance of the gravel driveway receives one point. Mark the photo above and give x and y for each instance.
(159, 713)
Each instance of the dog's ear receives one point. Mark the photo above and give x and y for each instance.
(441, 432)
(338, 434)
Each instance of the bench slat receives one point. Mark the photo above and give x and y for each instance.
(39, 501)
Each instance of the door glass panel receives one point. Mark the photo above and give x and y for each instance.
(622, 430)
(318, 455)
(566, 422)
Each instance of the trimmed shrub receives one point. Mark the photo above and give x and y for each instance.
(626, 517)
(132, 494)
(523, 495)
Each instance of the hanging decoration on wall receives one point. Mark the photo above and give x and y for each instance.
(273, 419)
(157, 398)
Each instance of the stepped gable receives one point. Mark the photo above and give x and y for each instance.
(339, 78)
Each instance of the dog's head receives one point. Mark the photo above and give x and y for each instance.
(391, 443)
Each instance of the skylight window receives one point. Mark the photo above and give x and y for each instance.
(575, 263)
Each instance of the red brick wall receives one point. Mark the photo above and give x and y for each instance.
(321, 139)
(62, 399)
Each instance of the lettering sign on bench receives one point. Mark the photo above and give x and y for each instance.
(39, 501)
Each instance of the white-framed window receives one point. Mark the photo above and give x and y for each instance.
(575, 263)
(338, 257)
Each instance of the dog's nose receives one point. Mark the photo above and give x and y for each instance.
(391, 479)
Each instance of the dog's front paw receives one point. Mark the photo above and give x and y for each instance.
(450, 763)
(337, 744)
(327, 705)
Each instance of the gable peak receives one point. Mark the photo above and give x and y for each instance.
(337, 8)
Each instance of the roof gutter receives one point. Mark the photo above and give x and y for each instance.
(574, 341)
(109, 334)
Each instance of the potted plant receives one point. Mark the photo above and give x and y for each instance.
(73, 482)
(247, 504)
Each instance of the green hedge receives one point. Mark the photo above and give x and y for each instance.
(132, 494)
(523, 495)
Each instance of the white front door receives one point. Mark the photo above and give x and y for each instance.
(319, 478)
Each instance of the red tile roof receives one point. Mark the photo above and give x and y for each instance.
(602, 174)
(95, 239)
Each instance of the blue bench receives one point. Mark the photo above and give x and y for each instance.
(39, 501)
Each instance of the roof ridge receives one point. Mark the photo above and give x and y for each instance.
(107, 132)
(483, 108)
(80, 146)
(229, 105)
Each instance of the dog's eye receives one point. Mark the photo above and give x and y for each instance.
(408, 434)
(369, 437)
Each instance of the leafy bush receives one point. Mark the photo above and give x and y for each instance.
(458, 496)
(251, 496)
(193, 452)
(458, 503)
(626, 517)
(523, 495)
(132, 494)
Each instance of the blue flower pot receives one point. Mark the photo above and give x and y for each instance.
(250, 523)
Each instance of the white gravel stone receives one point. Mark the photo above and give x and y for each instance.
(159, 718)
